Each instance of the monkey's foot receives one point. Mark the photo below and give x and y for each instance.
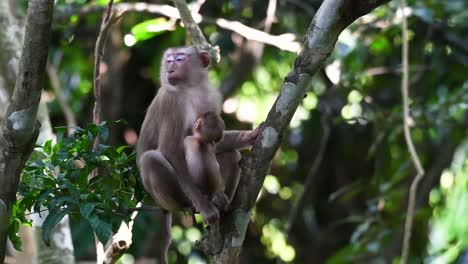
(221, 201)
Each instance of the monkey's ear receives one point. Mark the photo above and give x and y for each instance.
(205, 59)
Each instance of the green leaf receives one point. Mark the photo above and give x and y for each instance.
(93, 129)
(103, 158)
(104, 133)
(43, 195)
(13, 235)
(48, 147)
(102, 229)
(54, 217)
(150, 28)
(116, 222)
(60, 200)
(380, 45)
(71, 188)
(86, 209)
(121, 148)
(122, 121)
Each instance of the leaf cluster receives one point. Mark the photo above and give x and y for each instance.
(72, 178)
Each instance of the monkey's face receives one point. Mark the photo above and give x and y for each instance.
(177, 67)
(185, 66)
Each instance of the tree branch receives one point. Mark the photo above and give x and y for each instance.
(247, 56)
(331, 19)
(285, 41)
(194, 31)
(19, 130)
(121, 242)
(57, 87)
(108, 20)
(409, 141)
(4, 99)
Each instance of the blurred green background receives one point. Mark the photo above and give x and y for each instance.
(354, 204)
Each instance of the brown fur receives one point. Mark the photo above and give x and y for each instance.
(168, 121)
(200, 155)
(210, 127)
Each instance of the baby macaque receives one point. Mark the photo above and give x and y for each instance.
(200, 154)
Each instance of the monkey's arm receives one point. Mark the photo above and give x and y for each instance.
(232, 140)
(238, 139)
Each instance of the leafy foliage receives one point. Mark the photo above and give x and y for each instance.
(449, 236)
(59, 177)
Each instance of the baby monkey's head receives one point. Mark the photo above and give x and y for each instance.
(209, 126)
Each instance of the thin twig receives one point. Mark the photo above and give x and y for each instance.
(270, 17)
(310, 176)
(409, 141)
(31, 213)
(109, 19)
(144, 209)
(57, 87)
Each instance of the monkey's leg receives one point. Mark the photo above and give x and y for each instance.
(167, 236)
(160, 181)
(230, 171)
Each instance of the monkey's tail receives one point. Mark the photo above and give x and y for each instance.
(167, 236)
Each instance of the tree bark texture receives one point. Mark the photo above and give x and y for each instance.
(330, 20)
(19, 129)
(10, 40)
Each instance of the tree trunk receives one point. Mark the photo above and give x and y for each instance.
(10, 40)
(4, 99)
(19, 129)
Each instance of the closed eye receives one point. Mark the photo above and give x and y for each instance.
(180, 57)
(170, 59)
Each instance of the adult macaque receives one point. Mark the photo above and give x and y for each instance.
(200, 154)
(185, 93)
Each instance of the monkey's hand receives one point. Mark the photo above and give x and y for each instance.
(221, 201)
(249, 137)
(209, 212)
